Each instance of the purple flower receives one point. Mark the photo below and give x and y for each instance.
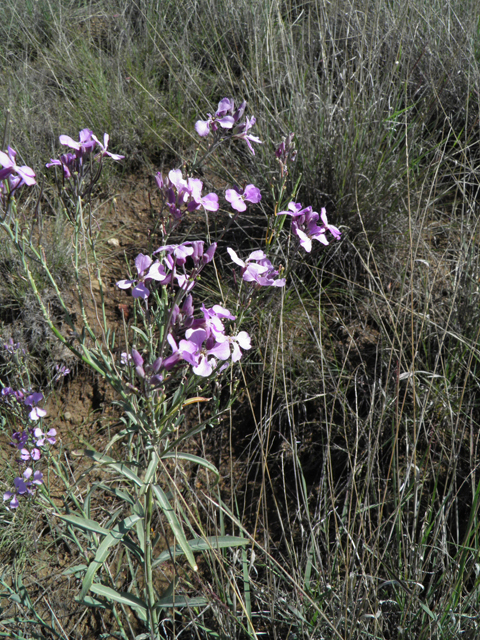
(286, 150)
(148, 372)
(22, 486)
(147, 270)
(304, 225)
(225, 106)
(25, 174)
(62, 371)
(240, 341)
(195, 351)
(176, 255)
(125, 358)
(208, 202)
(237, 197)
(50, 436)
(206, 353)
(241, 132)
(257, 268)
(31, 401)
(182, 318)
(68, 162)
(205, 342)
(104, 148)
(176, 180)
(180, 192)
(34, 454)
(286, 153)
(138, 362)
(329, 227)
(85, 144)
(159, 180)
(240, 111)
(12, 347)
(19, 439)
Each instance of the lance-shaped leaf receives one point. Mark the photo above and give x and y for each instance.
(79, 568)
(84, 524)
(113, 464)
(152, 467)
(122, 598)
(113, 538)
(174, 524)
(201, 544)
(180, 601)
(190, 457)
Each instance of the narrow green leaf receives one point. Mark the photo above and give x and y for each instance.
(201, 544)
(141, 333)
(121, 434)
(135, 549)
(247, 591)
(15, 598)
(119, 493)
(180, 601)
(113, 538)
(121, 597)
(428, 611)
(152, 467)
(74, 570)
(174, 524)
(93, 602)
(111, 462)
(190, 457)
(141, 535)
(83, 523)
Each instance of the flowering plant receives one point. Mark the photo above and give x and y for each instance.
(169, 357)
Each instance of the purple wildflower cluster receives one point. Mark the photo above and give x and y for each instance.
(257, 269)
(170, 268)
(72, 163)
(304, 225)
(30, 401)
(23, 486)
(12, 347)
(184, 195)
(29, 442)
(198, 342)
(201, 342)
(81, 167)
(228, 118)
(205, 340)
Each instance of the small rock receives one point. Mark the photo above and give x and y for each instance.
(114, 242)
(67, 415)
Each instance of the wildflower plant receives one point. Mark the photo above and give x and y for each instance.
(176, 348)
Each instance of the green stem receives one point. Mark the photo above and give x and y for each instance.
(150, 591)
